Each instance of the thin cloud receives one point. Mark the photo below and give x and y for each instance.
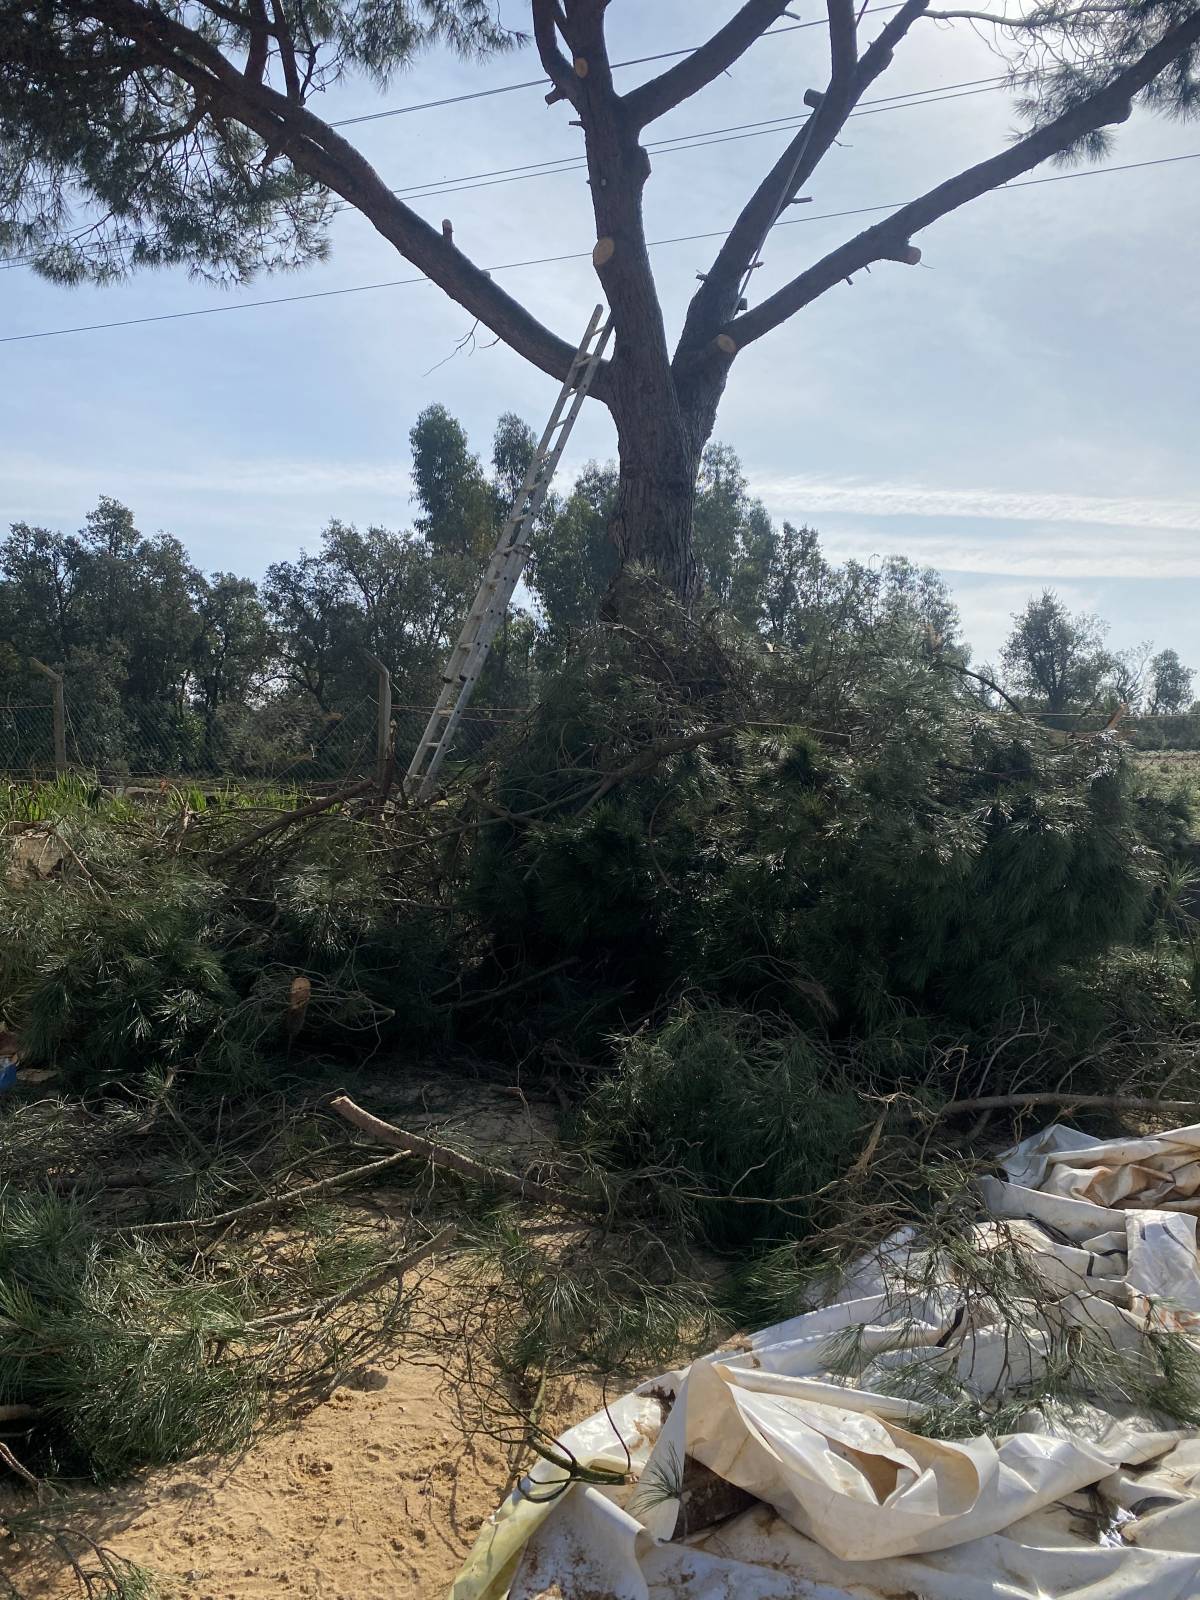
(24, 478)
(1033, 553)
(800, 496)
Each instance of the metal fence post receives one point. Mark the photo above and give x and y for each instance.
(383, 730)
(59, 713)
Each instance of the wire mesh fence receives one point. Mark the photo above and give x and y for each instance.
(288, 741)
(27, 738)
(284, 742)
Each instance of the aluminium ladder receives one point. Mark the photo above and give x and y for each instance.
(504, 568)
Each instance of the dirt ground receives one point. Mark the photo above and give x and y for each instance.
(375, 1495)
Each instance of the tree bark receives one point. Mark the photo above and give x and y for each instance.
(656, 494)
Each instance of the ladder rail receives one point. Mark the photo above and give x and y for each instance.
(504, 570)
(532, 493)
(505, 565)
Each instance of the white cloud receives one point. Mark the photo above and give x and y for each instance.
(1035, 553)
(23, 477)
(1064, 535)
(803, 496)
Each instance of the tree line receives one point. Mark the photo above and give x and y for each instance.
(224, 666)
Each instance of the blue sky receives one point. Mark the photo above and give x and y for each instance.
(1019, 412)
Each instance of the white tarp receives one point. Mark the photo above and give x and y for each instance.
(1095, 1243)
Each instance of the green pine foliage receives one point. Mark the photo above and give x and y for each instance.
(928, 865)
(114, 1349)
(746, 1122)
(137, 960)
(112, 985)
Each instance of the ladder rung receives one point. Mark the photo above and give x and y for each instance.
(503, 570)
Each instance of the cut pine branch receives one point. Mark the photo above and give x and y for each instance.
(1064, 1097)
(649, 758)
(301, 814)
(274, 1202)
(440, 1155)
(390, 1272)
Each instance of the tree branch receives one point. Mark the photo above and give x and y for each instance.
(889, 240)
(662, 94)
(877, 57)
(843, 41)
(440, 1155)
(287, 52)
(653, 754)
(716, 300)
(1064, 1097)
(1036, 21)
(988, 683)
(547, 19)
(618, 167)
(313, 809)
(362, 1287)
(316, 150)
(273, 1202)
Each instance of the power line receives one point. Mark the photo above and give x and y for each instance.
(696, 140)
(573, 255)
(540, 83)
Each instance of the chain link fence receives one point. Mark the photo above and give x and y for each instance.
(274, 742)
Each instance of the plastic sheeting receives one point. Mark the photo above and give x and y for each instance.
(1098, 1498)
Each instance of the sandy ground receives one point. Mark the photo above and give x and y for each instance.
(375, 1495)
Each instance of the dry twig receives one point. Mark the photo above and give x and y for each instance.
(1064, 1097)
(258, 1208)
(364, 1286)
(440, 1155)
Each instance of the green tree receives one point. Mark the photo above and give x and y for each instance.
(1128, 675)
(1055, 658)
(316, 630)
(186, 132)
(394, 594)
(733, 534)
(573, 559)
(513, 447)
(459, 506)
(40, 580)
(849, 630)
(232, 650)
(1170, 685)
(128, 601)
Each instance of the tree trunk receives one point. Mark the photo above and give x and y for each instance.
(656, 493)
